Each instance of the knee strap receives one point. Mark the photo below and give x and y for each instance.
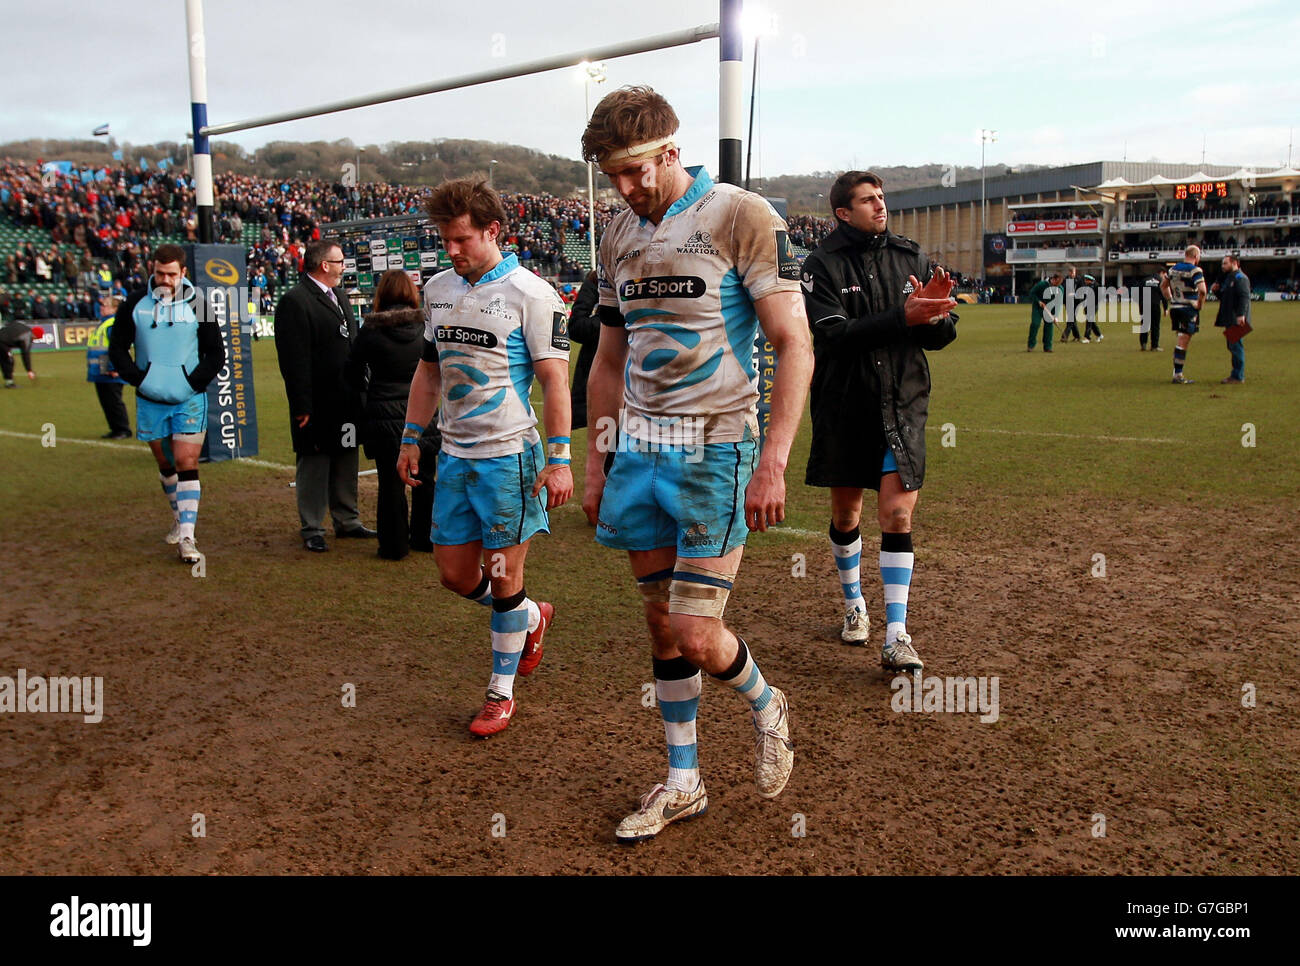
(654, 587)
(698, 591)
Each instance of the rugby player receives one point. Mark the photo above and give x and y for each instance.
(688, 273)
(1184, 288)
(491, 326)
(177, 354)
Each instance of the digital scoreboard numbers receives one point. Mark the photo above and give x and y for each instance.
(1201, 190)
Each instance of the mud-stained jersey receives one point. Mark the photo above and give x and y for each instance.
(486, 338)
(686, 290)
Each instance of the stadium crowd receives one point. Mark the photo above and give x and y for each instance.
(101, 232)
(95, 237)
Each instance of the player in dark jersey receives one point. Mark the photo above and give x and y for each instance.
(1185, 290)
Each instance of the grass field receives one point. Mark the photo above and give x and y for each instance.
(1052, 460)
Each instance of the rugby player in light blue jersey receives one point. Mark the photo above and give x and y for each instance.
(490, 326)
(687, 276)
(178, 351)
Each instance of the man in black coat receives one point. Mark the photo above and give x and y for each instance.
(871, 320)
(1234, 315)
(314, 330)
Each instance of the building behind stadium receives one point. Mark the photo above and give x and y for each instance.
(1111, 219)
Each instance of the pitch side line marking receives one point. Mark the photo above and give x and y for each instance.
(1027, 432)
(129, 449)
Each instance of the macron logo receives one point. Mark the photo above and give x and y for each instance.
(102, 919)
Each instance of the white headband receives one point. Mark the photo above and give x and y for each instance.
(636, 152)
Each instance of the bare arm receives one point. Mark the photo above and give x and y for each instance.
(421, 404)
(604, 394)
(553, 374)
(785, 324)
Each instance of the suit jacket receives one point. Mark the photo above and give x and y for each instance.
(312, 338)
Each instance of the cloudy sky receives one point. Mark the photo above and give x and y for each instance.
(841, 84)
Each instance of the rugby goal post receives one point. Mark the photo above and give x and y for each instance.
(730, 93)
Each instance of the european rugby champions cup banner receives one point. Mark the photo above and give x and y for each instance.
(220, 275)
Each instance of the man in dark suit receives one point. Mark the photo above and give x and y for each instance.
(314, 330)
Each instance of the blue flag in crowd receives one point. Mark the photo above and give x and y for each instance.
(117, 155)
(87, 176)
(137, 189)
(144, 164)
(101, 174)
(164, 163)
(59, 167)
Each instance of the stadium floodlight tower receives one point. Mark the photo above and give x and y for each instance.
(985, 138)
(592, 74)
(730, 93)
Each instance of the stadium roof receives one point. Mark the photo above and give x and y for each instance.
(1241, 174)
(1046, 180)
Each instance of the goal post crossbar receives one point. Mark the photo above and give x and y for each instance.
(660, 42)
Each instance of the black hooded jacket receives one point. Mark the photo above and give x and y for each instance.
(871, 383)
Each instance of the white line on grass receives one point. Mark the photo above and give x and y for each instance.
(131, 449)
(1027, 432)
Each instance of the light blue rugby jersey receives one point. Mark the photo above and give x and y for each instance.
(686, 290)
(488, 336)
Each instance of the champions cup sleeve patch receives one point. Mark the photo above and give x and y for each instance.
(560, 331)
(787, 263)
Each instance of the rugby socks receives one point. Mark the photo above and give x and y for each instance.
(745, 677)
(187, 501)
(509, 630)
(677, 689)
(1180, 357)
(896, 559)
(846, 545)
(482, 594)
(167, 477)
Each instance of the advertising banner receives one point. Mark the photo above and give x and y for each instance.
(220, 275)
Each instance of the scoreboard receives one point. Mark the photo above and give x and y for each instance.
(374, 246)
(1201, 190)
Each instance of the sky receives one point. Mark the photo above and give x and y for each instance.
(841, 84)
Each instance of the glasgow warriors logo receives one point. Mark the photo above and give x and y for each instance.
(700, 243)
(498, 308)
